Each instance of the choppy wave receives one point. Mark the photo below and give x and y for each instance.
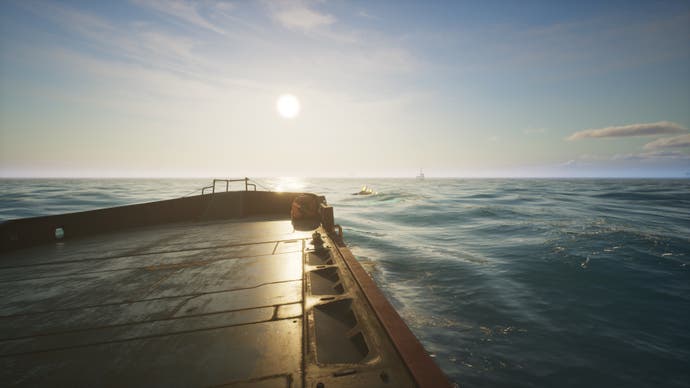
(506, 282)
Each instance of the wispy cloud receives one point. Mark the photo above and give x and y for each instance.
(141, 67)
(366, 15)
(341, 57)
(646, 129)
(184, 11)
(583, 160)
(571, 163)
(138, 42)
(298, 15)
(682, 141)
(658, 155)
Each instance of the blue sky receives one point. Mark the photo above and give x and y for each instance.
(176, 88)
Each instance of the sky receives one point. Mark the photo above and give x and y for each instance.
(152, 88)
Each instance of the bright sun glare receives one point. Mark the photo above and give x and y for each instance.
(288, 106)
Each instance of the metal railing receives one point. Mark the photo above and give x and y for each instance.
(227, 185)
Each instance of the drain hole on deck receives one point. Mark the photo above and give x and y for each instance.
(325, 282)
(319, 258)
(335, 342)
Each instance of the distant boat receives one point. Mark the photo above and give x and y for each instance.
(365, 191)
(421, 175)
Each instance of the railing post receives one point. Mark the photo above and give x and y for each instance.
(227, 185)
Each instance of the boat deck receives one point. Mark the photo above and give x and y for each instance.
(209, 290)
(190, 304)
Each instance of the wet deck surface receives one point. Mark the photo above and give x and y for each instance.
(244, 303)
(180, 305)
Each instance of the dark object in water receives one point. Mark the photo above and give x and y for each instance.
(215, 289)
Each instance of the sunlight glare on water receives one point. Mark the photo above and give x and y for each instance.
(282, 184)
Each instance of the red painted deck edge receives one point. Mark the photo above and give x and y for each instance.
(422, 367)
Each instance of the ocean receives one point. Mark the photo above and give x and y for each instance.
(506, 282)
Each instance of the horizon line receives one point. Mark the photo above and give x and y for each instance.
(687, 176)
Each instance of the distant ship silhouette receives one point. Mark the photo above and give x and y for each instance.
(421, 175)
(365, 191)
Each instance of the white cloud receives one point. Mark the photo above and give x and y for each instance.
(569, 163)
(151, 45)
(224, 6)
(653, 156)
(297, 15)
(142, 44)
(644, 129)
(584, 160)
(366, 15)
(184, 11)
(681, 141)
(135, 41)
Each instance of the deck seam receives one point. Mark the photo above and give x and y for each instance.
(141, 254)
(134, 323)
(287, 376)
(148, 300)
(132, 268)
(141, 337)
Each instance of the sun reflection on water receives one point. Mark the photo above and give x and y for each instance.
(289, 184)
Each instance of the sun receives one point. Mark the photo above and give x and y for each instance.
(288, 106)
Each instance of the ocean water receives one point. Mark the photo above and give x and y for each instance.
(508, 283)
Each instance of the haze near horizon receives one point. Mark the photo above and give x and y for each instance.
(149, 88)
